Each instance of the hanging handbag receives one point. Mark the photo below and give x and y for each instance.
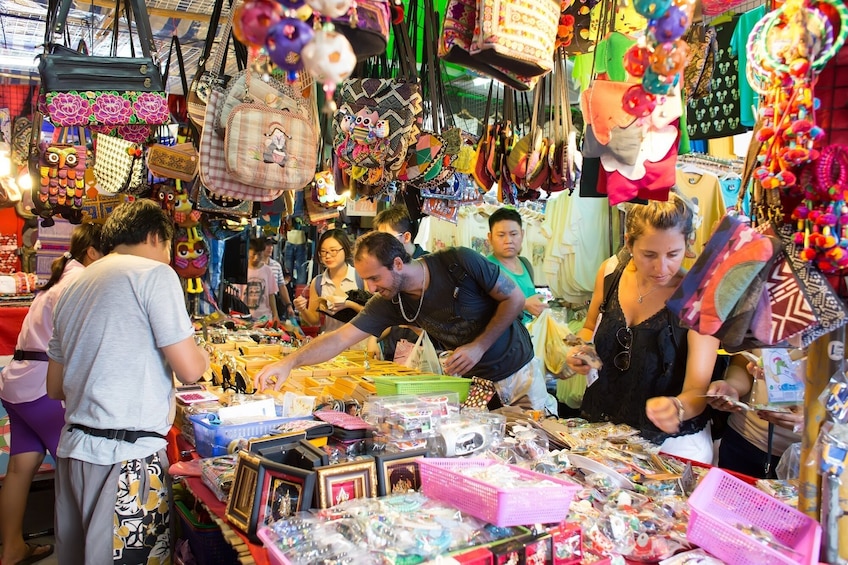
(59, 167)
(265, 147)
(217, 205)
(83, 90)
(211, 71)
(118, 165)
(703, 48)
(519, 35)
(214, 173)
(455, 44)
(178, 161)
(379, 118)
(367, 27)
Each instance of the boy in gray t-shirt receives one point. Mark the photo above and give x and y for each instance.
(120, 331)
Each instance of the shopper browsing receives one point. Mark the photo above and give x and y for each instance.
(35, 420)
(258, 294)
(395, 221)
(120, 333)
(285, 308)
(506, 236)
(461, 299)
(654, 373)
(745, 445)
(328, 291)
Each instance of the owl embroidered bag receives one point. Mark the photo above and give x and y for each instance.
(60, 171)
(379, 118)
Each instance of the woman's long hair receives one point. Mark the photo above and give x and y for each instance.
(84, 236)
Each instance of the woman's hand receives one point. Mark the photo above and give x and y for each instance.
(300, 303)
(664, 412)
(723, 396)
(582, 358)
(792, 420)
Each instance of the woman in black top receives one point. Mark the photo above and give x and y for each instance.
(654, 373)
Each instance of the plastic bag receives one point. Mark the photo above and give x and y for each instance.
(789, 466)
(423, 356)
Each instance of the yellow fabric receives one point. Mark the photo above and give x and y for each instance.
(721, 147)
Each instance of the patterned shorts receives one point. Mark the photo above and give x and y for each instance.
(142, 517)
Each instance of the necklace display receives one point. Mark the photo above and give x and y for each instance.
(420, 301)
(639, 291)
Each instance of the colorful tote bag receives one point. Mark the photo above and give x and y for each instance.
(271, 149)
(733, 259)
(377, 121)
(519, 35)
(213, 165)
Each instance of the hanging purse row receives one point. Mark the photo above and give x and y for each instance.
(104, 92)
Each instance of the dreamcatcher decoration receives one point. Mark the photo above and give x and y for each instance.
(787, 49)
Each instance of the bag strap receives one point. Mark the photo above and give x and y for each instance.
(526, 262)
(175, 46)
(211, 31)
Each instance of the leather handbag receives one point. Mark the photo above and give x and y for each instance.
(83, 90)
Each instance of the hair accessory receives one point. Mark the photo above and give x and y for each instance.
(67, 255)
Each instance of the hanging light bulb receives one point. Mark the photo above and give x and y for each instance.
(5, 160)
(25, 181)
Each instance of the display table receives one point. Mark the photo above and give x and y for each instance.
(249, 553)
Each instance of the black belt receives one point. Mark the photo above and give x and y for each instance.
(123, 435)
(21, 355)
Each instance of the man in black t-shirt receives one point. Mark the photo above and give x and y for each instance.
(462, 300)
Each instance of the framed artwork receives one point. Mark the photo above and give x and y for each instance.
(241, 510)
(339, 483)
(398, 472)
(282, 491)
(277, 441)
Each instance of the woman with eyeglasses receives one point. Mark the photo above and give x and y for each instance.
(328, 291)
(654, 373)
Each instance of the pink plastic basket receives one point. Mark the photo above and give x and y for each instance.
(442, 479)
(722, 502)
(275, 556)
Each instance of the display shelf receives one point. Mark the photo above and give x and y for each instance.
(248, 553)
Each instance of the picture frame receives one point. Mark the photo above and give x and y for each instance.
(342, 482)
(301, 454)
(241, 507)
(398, 472)
(276, 441)
(282, 491)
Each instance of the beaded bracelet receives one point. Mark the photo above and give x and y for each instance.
(832, 162)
